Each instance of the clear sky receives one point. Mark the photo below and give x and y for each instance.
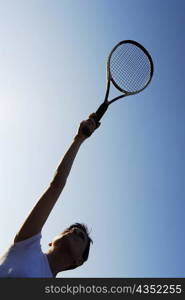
(128, 180)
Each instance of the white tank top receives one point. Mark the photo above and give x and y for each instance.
(25, 259)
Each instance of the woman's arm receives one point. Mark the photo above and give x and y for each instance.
(40, 212)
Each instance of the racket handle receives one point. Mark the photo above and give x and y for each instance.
(97, 116)
(101, 110)
(86, 131)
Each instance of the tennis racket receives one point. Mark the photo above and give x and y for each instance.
(129, 69)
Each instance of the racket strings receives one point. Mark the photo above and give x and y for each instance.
(132, 73)
(130, 67)
(133, 70)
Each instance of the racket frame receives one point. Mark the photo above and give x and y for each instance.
(110, 78)
(103, 107)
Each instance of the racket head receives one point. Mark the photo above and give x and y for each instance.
(129, 67)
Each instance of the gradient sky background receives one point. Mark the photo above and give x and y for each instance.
(128, 180)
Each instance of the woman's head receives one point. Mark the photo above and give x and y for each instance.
(73, 244)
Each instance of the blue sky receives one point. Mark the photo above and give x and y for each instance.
(128, 180)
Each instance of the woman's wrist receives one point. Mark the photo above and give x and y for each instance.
(79, 138)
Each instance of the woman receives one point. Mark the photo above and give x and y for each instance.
(69, 249)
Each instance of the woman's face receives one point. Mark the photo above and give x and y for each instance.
(73, 242)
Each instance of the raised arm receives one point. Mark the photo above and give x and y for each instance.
(40, 212)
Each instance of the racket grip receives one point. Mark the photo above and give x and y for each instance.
(97, 116)
(101, 110)
(86, 131)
